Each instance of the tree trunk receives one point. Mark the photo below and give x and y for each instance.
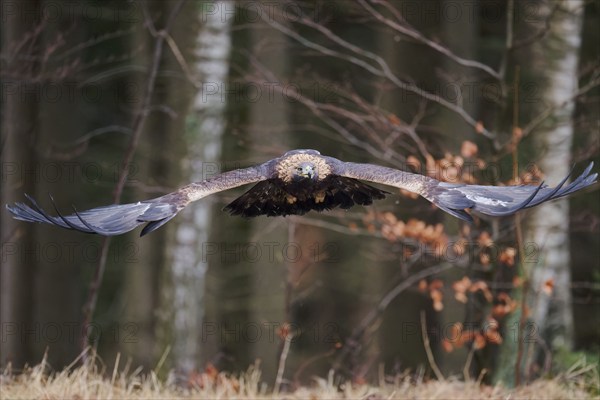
(159, 158)
(205, 127)
(18, 118)
(548, 227)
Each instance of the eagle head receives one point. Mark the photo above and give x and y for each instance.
(305, 170)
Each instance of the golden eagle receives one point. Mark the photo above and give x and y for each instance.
(300, 181)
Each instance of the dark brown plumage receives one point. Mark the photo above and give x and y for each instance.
(301, 181)
(274, 197)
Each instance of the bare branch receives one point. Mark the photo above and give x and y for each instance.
(375, 313)
(430, 358)
(138, 127)
(414, 34)
(381, 69)
(537, 120)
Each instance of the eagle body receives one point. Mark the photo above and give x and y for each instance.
(301, 181)
(275, 197)
(292, 191)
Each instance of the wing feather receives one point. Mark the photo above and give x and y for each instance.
(456, 198)
(121, 218)
(452, 198)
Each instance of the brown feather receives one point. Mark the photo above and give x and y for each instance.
(272, 197)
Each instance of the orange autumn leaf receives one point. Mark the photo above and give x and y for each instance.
(456, 330)
(414, 162)
(409, 194)
(493, 336)
(437, 296)
(389, 218)
(517, 281)
(479, 342)
(479, 127)
(485, 240)
(284, 331)
(436, 284)
(463, 285)
(465, 336)
(548, 286)
(484, 258)
(430, 164)
(506, 306)
(205, 378)
(398, 229)
(499, 311)
(461, 297)
(483, 287)
(447, 346)
(357, 380)
(211, 370)
(468, 149)
(517, 133)
(393, 118)
(508, 256)
(460, 288)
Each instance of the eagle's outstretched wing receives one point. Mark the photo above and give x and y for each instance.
(324, 189)
(456, 198)
(120, 218)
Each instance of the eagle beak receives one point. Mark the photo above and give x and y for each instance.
(308, 172)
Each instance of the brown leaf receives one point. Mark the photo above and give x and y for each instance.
(479, 127)
(485, 240)
(436, 296)
(461, 297)
(517, 133)
(394, 120)
(548, 286)
(463, 285)
(484, 258)
(479, 341)
(483, 287)
(413, 162)
(436, 284)
(468, 149)
(447, 346)
(456, 330)
(507, 256)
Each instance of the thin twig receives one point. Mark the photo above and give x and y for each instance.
(519, 232)
(467, 367)
(548, 112)
(282, 359)
(430, 357)
(381, 69)
(369, 319)
(416, 35)
(138, 127)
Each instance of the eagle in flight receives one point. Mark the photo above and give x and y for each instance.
(300, 181)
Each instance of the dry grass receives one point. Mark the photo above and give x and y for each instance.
(88, 382)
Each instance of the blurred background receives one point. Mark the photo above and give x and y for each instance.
(113, 101)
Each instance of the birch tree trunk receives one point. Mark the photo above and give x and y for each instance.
(205, 127)
(556, 55)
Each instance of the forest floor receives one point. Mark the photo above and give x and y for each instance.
(90, 382)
